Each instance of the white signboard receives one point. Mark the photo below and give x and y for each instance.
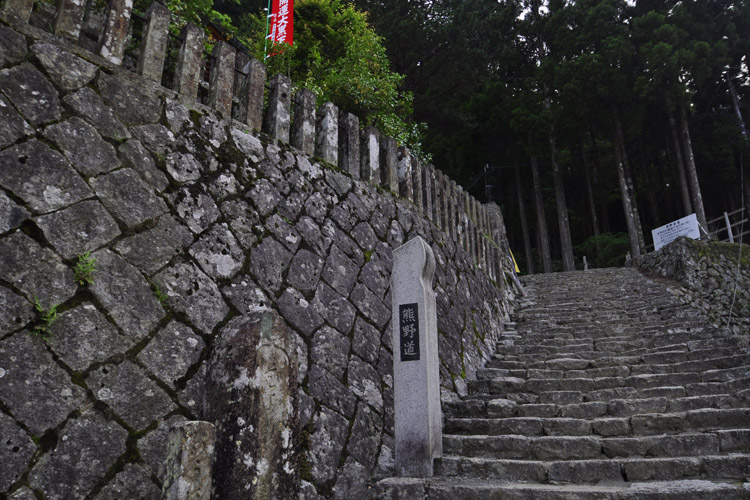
(687, 226)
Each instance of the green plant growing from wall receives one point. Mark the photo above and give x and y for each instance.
(46, 317)
(84, 269)
(160, 296)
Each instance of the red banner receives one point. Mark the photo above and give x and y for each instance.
(282, 22)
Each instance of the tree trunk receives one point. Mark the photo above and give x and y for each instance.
(540, 218)
(692, 172)
(736, 105)
(684, 191)
(597, 190)
(627, 205)
(590, 190)
(631, 191)
(524, 224)
(566, 243)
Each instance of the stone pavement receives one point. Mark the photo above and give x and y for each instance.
(608, 388)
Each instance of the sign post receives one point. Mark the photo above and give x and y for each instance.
(416, 376)
(687, 226)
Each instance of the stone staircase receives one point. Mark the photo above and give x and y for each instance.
(607, 388)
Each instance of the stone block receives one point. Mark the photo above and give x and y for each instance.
(370, 155)
(326, 444)
(218, 253)
(329, 391)
(417, 182)
(173, 350)
(190, 459)
(327, 133)
(87, 103)
(31, 93)
(85, 450)
(83, 147)
(11, 214)
(68, 19)
(298, 312)
(154, 43)
(17, 9)
(189, 68)
(268, 262)
(251, 94)
(114, 35)
(304, 271)
(17, 311)
(15, 126)
(67, 71)
(152, 249)
(349, 144)
(278, 112)
(16, 449)
(132, 102)
(196, 208)
(330, 350)
(132, 482)
(221, 80)
(127, 197)
(405, 177)
(303, 129)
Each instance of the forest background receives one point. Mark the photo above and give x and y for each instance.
(590, 122)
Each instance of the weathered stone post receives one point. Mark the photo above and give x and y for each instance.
(252, 398)
(250, 109)
(115, 33)
(327, 128)
(389, 164)
(303, 127)
(278, 112)
(416, 377)
(428, 179)
(370, 155)
(18, 9)
(189, 62)
(221, 80)
(190, 455)
(241, 60)
(405, 180)
(416, 182)
(349, 144)
(154, 44)
(68, 18)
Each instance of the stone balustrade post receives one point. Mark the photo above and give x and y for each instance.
(405, 180)
(460, 217)
(416, 182)
(221, 80)
(187, 75)
(327, 133)
(349, 144)
(389, 164)
(278, 112)
(440, 195)
(303, 126)
(154, 43)
(189, 463)
(68, 18)
(250, 109)
(17, 9)
(369, 151)
(416, 376)
(428, 187)
(454, 220)
(114, 35)
(241, 60)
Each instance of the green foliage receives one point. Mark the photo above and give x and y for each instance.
(46, 318)
(84, 270)
(605, 250)
(160, 296)
(338, 55)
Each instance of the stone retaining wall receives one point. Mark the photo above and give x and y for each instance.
(707, 276)
(195, 222)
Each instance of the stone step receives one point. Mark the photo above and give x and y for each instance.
(611, 471)
(556, 448)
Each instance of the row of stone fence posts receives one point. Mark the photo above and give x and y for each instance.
(237, 88)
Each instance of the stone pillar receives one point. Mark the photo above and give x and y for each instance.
(241, 60)
(327, 130)
(428, 177)
(190, 455)
(252, 397)
(416, 376)
(114, 36)
(389, 164)
(154, 43)
(303, 127)
(187, 74)
(68, 18)
(369, 151)
(250, 110)
(221, 81)
(437, 197)
(17, 9)
(416, 182)
(405, 180)
(452, 209)
(349, 144)
(276, 123)
(460, 216)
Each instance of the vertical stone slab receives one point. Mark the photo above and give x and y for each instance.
(369, 150)
(252, 398)
(250, 110)
(349, 144)
(327, 128)
(405, 179)
(303, 127)
(416, 182)
(389, 164)
(221, 80)
(114, 36)
(437, 196)
(68, 18)
(187, 74)
(154, 43)
(460, 217)
(17, 9)
(241, 60)
(278, 112)
(416, 377)
(190, 455)
(428, 177)
(452, 210)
